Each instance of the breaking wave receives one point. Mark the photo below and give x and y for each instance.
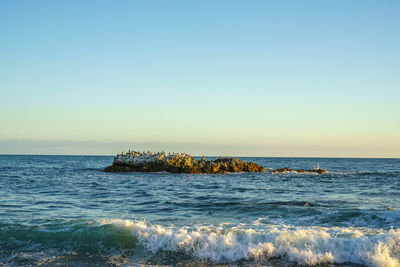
(299, 245)
(122, 241)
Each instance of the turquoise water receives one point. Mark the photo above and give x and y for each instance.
(64, 210)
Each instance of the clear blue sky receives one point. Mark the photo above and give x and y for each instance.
(261, 78)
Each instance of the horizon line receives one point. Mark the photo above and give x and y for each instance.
(104, 155)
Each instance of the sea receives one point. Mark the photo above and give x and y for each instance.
(65, 211)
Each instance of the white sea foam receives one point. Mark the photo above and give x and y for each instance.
(301, 245)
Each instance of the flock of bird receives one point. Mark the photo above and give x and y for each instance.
(134, 157)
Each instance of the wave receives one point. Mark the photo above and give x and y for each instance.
(386, 218)
(122, 241)
(64, 244)
(300, 245)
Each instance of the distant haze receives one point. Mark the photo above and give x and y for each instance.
(259, 78)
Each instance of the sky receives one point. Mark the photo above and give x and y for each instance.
(242, 78)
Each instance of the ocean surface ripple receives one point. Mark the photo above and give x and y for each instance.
(64, 210)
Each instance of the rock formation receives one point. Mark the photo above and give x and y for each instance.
(316, 170)
(178, 163)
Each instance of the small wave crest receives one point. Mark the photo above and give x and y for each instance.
(300, 245)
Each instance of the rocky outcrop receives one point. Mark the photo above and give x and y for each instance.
(178, 163)
(316, 170)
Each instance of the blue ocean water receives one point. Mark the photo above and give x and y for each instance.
(65, 211)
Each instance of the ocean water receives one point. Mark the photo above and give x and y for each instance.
(65, 211)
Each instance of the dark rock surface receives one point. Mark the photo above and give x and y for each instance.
(313, 171)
